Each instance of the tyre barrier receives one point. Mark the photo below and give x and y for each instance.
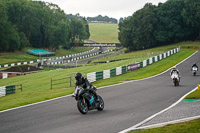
(95, 76)
(5, 90)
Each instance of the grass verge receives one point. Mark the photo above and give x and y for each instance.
(194, 95)
(185, 127)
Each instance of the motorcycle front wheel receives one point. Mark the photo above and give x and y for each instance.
(101, 104)
(82, 106)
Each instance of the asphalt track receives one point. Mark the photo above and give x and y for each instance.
(125, 105)
(87, 60)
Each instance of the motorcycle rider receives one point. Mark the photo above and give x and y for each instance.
(84, 83)
(175, 70)
(194, 65)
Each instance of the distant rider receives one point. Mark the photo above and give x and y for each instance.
(194, 65)
(175, 70)
(83, 83)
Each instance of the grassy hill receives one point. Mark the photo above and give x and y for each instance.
(103, 32)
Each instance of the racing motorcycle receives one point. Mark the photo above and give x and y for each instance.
(194, 70)
(87, 101)
(175, 78)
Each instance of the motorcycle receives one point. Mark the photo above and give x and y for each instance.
(175, 78)
(194, 70)
(87, 101)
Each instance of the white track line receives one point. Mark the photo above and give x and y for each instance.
(35, 103)
(151, 117)
(169, 122)
(98, 88)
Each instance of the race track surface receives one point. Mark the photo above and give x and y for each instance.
(125, 105)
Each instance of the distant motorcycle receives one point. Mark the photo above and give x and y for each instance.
(175, 78)
(194, 70)
(87, 101)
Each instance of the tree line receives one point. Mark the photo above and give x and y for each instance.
(104, 19)
(170, 22)
(25, 23)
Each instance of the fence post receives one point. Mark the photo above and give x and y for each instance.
(21, 87)
(70, 80)
(51, 83)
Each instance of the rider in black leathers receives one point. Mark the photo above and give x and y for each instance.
(85, 84)
(194, 65)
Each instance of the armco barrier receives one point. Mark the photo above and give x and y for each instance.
(91, 77)
(133, 67)
(141, 64)
(5, 90)
(113, 72)
(95, 76)
(118, 70)
(124, 69)
(38, 60)
(106, 74)
(10, 89)
(99, 75)
(2, 91)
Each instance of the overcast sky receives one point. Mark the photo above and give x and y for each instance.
(110, 8)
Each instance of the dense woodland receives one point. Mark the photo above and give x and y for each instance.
(97, 19)
(103, 19)
(169, 22)
(26, 23)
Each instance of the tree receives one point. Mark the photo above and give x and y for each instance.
(77, 31)
(124, 35)
(191, 14)
(100, 18)
(121, 19)
(38, 24)
(9, 38)
(138, 30)
(171, 26)
(169, 22)
(86, 28)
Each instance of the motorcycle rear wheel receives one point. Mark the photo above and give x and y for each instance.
(194, 74)
(176, 83)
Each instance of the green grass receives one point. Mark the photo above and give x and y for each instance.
(194, 95)
(136, 56)
(149, 52)
(185, 127)
(36, 87)
(13, 57)
(21, 56)
(104, 33)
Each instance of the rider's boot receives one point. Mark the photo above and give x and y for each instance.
(95, 95)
